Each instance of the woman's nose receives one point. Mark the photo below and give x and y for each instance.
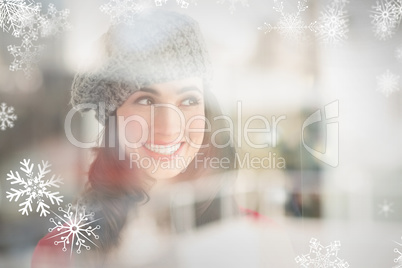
(168, 122)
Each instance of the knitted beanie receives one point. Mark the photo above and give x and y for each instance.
(159, 46)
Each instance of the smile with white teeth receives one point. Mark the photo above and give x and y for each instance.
(163, 149)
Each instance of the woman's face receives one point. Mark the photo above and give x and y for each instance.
(161, 127)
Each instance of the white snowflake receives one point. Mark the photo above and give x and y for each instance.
(14, 12)
(332, 25)
(388, 83)
(386, 16)
(232, 7)
(7, 116)
(290, 26)
(322, 256)
(398, 53)
(397, 6)
(29, 29)
(159, 3)
(54, 21)
(398, 259)
(186, 3)
(34, 188)
(180, 3)
(51, 23)
(385, 208)
(122, 10)
(74, 227)
(26, 56)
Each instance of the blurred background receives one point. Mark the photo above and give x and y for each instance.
(356, 201)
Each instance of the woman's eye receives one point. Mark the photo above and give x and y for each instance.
(190, 101)
(145, 101)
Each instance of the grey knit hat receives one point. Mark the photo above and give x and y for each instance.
(159, 46)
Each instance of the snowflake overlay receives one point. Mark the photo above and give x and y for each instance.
(290, 26)
(14, 12)
(232, 7)
(386, 17)
(7, 116)
(398, 260)
(122, 10)
(54, 22)
(388, 83)
(29, 29)
(398, 54)
(26, 56)
(181, 3)
(332, 24)
(31, 24)
(320, 256)
(74, 227)
(34, 188)
(385, 208)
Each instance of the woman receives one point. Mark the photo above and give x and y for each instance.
(153, 79)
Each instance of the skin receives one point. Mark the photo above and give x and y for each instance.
(164, 114)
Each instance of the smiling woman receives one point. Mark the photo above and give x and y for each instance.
(165, 108)
(153, 77)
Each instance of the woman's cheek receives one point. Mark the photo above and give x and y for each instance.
(133, 132)
(196, 130)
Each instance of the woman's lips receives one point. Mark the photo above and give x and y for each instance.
(158, 150)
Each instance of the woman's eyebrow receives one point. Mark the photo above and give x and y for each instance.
(189, 88)
(150, 90)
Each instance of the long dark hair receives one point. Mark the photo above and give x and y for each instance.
(113, 187)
